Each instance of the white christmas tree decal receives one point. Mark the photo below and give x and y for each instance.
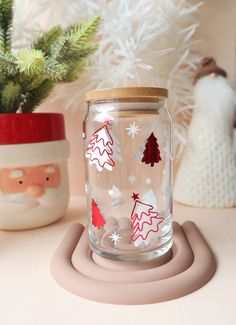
(145, 222)
(102, 150)
(149, 197)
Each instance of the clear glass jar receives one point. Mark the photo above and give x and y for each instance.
(128, 155)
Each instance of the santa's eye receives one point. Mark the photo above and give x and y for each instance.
(20, 182)
(47, 178)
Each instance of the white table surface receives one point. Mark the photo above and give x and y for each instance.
(30, 296)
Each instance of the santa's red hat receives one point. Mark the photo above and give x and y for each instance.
(32, 139)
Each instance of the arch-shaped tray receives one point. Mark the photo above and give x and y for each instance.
(187, 268)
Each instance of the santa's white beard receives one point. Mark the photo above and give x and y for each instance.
(22, 211)
(25, 202)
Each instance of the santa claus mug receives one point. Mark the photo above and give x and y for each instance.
(34, 188)
(128, 153)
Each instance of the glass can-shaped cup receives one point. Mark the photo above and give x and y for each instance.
(128, 154)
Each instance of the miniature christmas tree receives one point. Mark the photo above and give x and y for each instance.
(151, 154)
(28, 76)
(101, 149)
(97, 218)
(145, 222)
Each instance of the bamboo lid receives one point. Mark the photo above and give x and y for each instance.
(128, 93)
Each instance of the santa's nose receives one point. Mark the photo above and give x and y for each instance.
(35, 190)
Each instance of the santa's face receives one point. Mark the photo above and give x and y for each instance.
(30, 180)
(31, 193)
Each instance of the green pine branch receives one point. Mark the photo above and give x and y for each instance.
(8, 64)
(48, 39)
(11, 94)
(36, 96)
(74, 69)
(83, 32)
(75, 40)
(54, 70)
(30, 62)
(28, 76)
(33, 63)
(6, 16)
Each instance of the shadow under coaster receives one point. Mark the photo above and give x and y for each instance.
(187, 267)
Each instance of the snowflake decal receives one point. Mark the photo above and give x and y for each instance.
(148, 180)
(133, 129)
(132, 179)
(115, 237)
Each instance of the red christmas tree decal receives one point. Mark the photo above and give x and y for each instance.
(145, 222)
(102, 150)
(151, 154)
(97, 218)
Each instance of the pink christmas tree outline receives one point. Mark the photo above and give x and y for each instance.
(99, 151)
(144, 222)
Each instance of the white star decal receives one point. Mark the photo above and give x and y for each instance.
(133, 129)
(115, 237)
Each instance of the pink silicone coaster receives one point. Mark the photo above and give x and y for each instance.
(183, 270)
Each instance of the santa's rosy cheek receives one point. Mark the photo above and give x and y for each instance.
(52, 180)
(13, 185)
